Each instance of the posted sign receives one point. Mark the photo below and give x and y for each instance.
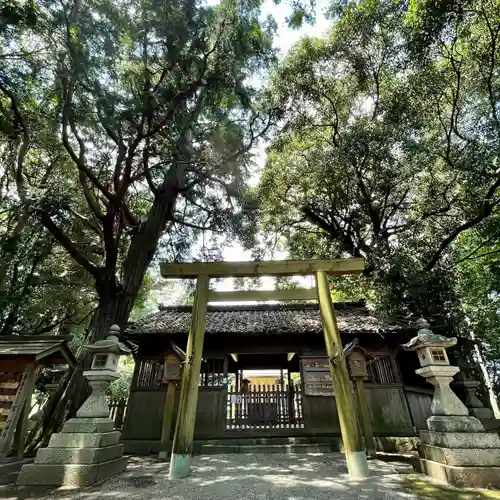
(317, 378)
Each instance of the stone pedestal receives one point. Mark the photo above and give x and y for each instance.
(444, 401)
(86, 451)
(458, 451)
(474, 404)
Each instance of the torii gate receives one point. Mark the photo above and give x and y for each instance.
(180, 461)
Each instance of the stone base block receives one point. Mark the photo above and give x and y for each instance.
(78, 455)
(88, 425)
(445, 423)
(461, 439)
(69, 475)
(463, 477)
(460, 456)
(84, 439)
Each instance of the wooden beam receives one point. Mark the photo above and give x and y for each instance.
(180, 462)
(357, 464)
(168, 413)
(24, 391)
(364, 413)
(334, 267)
(263, 295)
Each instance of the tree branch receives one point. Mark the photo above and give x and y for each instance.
(484, 212)
(23, 149)
(66, 242)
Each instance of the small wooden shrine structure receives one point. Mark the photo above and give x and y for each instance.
(21, 357)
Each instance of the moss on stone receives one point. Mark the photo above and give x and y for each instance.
(427, 490)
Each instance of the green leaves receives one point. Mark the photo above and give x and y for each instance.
(16, 13)
(386, 153)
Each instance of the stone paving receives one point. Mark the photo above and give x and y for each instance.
(235, 477)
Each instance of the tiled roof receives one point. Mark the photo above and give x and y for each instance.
(48, 349)
(266, 319)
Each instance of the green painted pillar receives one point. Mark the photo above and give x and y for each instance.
(180, 461)
(357, 464)
(167, 420)
(364, 413)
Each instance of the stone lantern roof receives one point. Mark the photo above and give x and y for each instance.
(110, 345)
(426, 338)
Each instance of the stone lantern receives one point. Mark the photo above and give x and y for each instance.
(455, 449)
(436, 369)
(88, 449)
(103, 371)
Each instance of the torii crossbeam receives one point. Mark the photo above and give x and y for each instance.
(180, 461)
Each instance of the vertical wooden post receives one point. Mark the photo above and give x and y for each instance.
(22, 429)
(167, 420)
(120, 414)
(24, 391)
(364, 414)
(180, 461)
(357, 464)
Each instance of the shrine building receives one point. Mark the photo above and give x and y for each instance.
(284, 337)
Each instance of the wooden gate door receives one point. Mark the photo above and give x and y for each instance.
(265, 407)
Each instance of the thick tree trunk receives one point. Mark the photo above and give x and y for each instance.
(116, 301)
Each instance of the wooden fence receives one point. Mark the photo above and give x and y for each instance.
(117, 410)
(265, 407)
(419, 402)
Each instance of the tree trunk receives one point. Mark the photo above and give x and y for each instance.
(116, 301)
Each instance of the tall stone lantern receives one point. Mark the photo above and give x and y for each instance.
(436, 369)
(87, 450)
(455, 449)
(103, 371)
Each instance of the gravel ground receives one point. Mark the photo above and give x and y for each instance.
(235, 477)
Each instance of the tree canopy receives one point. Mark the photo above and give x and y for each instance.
(128, 130)
(127, 122)
(384, 152)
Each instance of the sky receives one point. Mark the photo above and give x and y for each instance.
(283, 41)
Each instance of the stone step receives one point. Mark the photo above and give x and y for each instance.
(461, 456)
(454, 423)
(215, 449)
(69, 475)
(461, 439)
(461, 476)
(78, 455)
(84, 425)
(244, 441)
(84, 439)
